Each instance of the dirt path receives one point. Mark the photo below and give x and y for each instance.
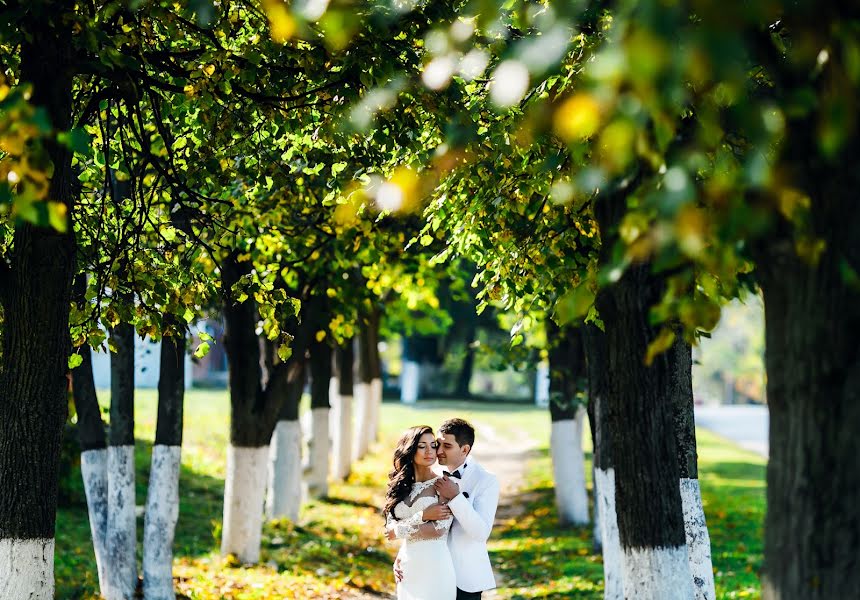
(507, 457)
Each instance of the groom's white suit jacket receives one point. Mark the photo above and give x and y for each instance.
(474, 511)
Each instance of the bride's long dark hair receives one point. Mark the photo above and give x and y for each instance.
(402, 476)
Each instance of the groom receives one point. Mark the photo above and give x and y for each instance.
(472, 495)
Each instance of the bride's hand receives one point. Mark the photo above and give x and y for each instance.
(436, 512)
(389, 533)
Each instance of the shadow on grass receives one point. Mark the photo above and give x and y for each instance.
(200, 505)
(338, 542)
(537, 558)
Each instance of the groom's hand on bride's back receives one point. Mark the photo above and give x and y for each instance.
(398, 571)
(436, 512)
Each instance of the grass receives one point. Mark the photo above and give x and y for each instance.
(335, 550)
(540, 560)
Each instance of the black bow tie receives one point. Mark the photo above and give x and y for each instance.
(454, 474)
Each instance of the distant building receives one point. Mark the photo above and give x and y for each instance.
(147, 356)
(209, 371)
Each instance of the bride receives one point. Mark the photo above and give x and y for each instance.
(414, 513)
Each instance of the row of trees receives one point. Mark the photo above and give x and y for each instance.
(631, 165)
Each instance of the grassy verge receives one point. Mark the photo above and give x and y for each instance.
(540, 560)
(336, 551)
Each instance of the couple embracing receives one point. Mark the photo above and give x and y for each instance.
(443, 513)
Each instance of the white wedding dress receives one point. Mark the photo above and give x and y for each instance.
(428, 572)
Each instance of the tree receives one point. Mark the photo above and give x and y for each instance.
(567, 376)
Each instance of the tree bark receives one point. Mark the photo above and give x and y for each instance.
(410, 370)
(285, 461)
(162, 501)
(650, 518)
(121, 521)
(567, 370)
(36, 301)
(342, 391)
(375, 373)
(91, 434)
(812, 323)
(252, 419)
(364, 392)
(695, 526)
(320, 442)
(285, 467)
(464, 377)
(594, 341)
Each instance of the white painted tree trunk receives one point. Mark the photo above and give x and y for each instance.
(285, 472)
(597, 533)
(410, 382)
(362, 420)
(657, 574)
(568, 467)
(613, 569)
(244, 492)
(162, 513)
(121, 538)
(26, 569)
(376, 397)
(542, 385)
(698, 540)
(94, 474)
(320, 449)
(342, 427)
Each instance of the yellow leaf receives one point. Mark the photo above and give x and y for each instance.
(282, 25)
(660, 344)
(320, 335)
(577, 118)
(209, 70)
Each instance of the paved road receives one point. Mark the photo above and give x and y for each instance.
(746, 425)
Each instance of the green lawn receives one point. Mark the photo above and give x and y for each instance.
(335, 548)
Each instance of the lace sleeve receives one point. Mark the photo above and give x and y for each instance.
(406, 528)
(414, 528)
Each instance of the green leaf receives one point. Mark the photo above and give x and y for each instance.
(75, 360)
(575, 304)
(202, 350)
(57, 212)
(284, 352)
(77, 140)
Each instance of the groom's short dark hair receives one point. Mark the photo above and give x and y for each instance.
(461, 430)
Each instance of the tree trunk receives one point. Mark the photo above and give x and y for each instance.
(91, 433)
(285, 466)
(342, 391)
(650, 518)
(375, 374)
(253, 414)
(812, 322)
(410, 371)
(162, 501)
(320, 442)
(567, 367)
(35, 287)
(285, 461)
(467, 369)
(121, 521)
(596, 536)
(594, 341)
(695, 527)
(364, 393)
